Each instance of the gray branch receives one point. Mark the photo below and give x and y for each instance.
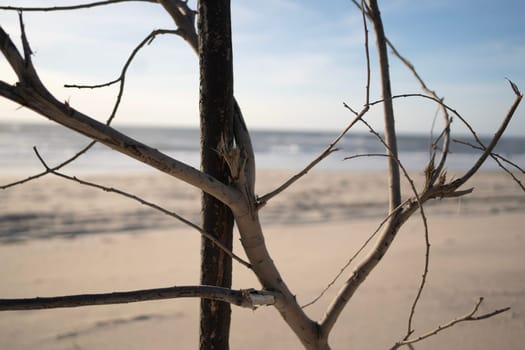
(249, 298)
(69, 7)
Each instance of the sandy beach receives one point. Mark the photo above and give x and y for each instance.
(58, 237)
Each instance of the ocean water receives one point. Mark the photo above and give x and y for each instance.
(274, 149)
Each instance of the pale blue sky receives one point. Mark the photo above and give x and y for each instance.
(295, 62)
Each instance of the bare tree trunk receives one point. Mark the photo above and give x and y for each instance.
(216, 115)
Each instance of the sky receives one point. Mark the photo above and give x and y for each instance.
(295, 62)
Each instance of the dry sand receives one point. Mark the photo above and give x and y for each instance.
(55, 241)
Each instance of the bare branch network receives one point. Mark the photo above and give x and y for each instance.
(240, 196)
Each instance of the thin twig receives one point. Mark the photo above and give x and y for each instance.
(249, 298)
(499, 156)
(147, 40)
(69, 7)
(424, 276)
(329, 150)
(499, 159)
(355, 156)
(438, 101)
(262, 200)
(441, 103)
(122, 78)
(418, 200)
(146, 203)
(497, 136)
(45, 172)
(468, 317)
(367, 55)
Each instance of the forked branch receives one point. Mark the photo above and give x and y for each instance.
(499, 159)
(148, 204)
(471, 316)
(184, 18)
(31, 93)
(331, 148)
(121, 80)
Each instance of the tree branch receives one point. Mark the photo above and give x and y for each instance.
(390, 133)
(184, 18)
(69, 7)
(496, 138)
(249, 298)
(499, 156)
(262, 200)
(499, 159)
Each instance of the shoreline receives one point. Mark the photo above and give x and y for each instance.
(54, 207)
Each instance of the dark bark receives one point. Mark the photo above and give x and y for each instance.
(216, 113)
